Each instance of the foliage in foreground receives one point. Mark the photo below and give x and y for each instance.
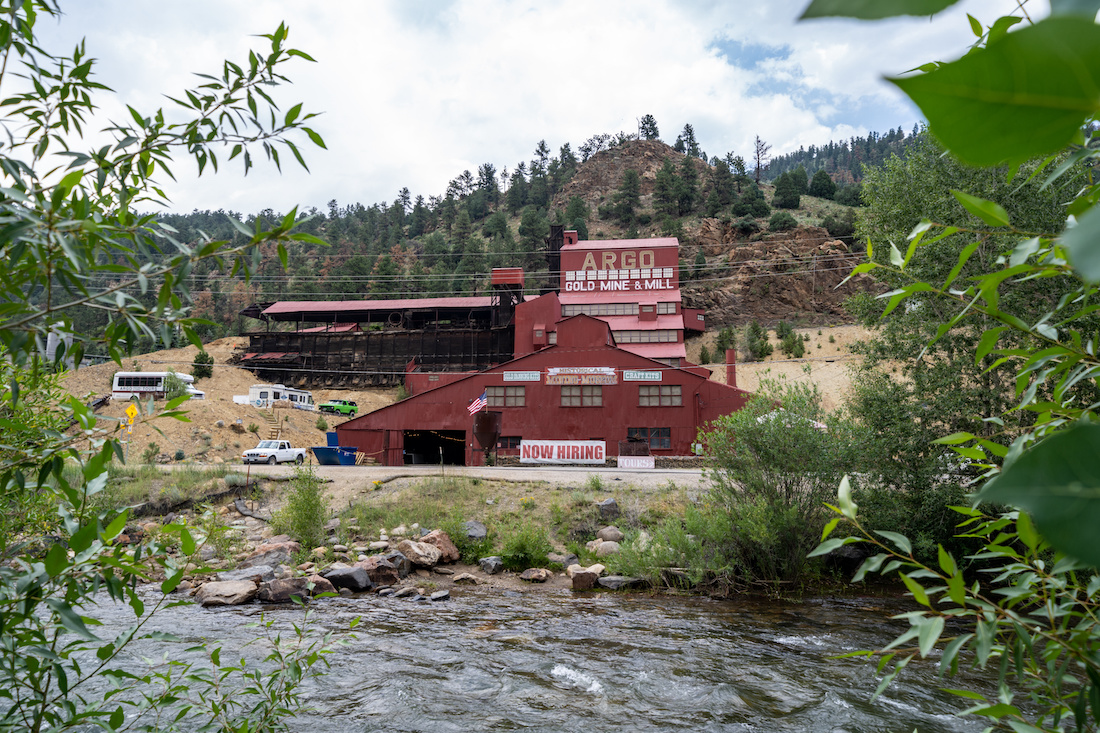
(1036, 617)
(305, 512)
(70, 239)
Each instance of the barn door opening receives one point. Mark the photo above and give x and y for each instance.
(431, 446)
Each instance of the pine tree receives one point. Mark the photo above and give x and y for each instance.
(665, 194)
(822, 185)
(647, 128)
(628, 198)
(786, 192)
(687, 192)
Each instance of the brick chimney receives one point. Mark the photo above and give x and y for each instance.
(731, 367)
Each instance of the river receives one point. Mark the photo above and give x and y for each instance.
(492, 660)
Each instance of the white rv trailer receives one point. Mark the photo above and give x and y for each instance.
(277, 395)
(128, 385)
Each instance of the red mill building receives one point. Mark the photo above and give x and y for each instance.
(574, 400)
(598, 358)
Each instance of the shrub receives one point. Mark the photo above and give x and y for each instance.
(727, 339)
(180, 455)
(783, 330)
(203, 366)
(793, 345)
(781, 221)
(594, 482)
(306, 511)
(760, 208)
(757, 344)
(174, 387)
(149, 455)
(773, 471)
(321, 424)
(526, 547)
(850, 195)
(746, 226)
(253, 427)
(704, 355)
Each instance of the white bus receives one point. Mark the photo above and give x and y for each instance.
(128, 385)
(276, 395)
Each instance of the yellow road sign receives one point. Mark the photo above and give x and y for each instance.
(131, 411)
(129, 421)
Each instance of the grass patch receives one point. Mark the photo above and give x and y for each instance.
(132, 485)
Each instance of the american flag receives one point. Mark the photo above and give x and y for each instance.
(479, 403)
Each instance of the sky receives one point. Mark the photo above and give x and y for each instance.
(413, 92)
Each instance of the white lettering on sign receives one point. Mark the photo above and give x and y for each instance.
(522, 376)
(562, 451)
(619, 260)
(634, 375)
(636, 462)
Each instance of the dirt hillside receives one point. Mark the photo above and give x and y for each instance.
(201, 439)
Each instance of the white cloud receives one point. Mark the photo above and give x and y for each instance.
(414, 92)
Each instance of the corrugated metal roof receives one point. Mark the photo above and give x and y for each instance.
(338, 306)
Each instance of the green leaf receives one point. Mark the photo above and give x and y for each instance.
(187, 542)
(844, 498)
(919, 594)
(873, 9)
(118, 717)
(114, 529)
(975, 26)
(1022, 96)
(930, 632)
(1081, 243)
(990, 212)
(1057, 482)
(171, 582)
(56, 560)
(901, 541)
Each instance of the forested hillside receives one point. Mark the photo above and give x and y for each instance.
(845, 160)
(612, 186)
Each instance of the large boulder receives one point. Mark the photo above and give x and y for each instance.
(404, 567)
(420, 553)
(320, 585)
(607, 548)
(491, 565)
(441, 540)
(282, 589)
(226, 593)
(563, 560)
(380, 570)
(610, 534)
(583, 578)
(608, 508)
(257, 574)
(618, 582)
(536, 575)
(355, 579)
(475, 531)
(272, 553)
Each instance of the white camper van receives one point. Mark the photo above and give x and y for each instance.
(128, 385)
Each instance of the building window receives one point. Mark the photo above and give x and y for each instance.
(582, 396)
(509, 442)
(662, 395)
(659, 336)
(658, 438)
(666, 309)
(506, 396)
(599, 309)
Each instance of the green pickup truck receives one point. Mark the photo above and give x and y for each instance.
(339, 407)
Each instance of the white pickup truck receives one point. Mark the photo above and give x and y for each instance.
(274, 451)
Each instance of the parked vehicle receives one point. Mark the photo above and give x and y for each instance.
(340, 407)
(274, 451)
(276, 395)
(127, 385)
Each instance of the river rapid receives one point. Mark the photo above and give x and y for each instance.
(491, 660)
